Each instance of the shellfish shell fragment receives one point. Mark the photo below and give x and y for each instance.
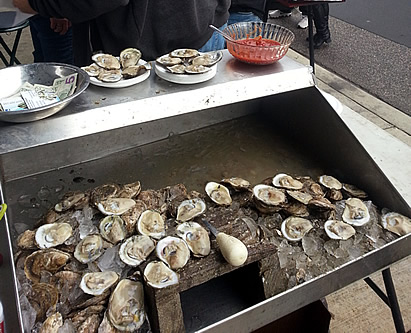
(196, 237)
(218, 193)
(338, 230)
(96, 283)
(285, 181)
(189, 209)
(294, 228)
(125, 309)
(54, 234)
(173, 251)
(136, 249)
(355, 212)
(151, 223)
(158, 275)
(396, 223)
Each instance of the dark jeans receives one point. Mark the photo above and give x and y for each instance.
(50, 46)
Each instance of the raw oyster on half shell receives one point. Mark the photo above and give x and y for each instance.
(237, 183)
(285, 181)
(197, 69)
(166, 60)
(173, 251)
(51, 235)
(151, 224)
(129, 57)
(355, 212)
(106, 61)
(110, 76)
(294, 228)
(184, 53)
(269, 195)
(89, 249)
(113, 229)
(115, 206)
(189, 209)
(207, 59)
(125, 309)
(158, 275)
(136, 249)
(96, 283)
(330, 182)
(218, 193)
(50, 260)
(196, 237)
(396, 223)
(338, 230)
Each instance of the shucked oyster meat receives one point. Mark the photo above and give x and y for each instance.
(355, 212)
(173, 251)
(158, 275)
(151, 224)
(218, 193)
(294, 228)
(113, 229)
(189, 209)
(196, 237)
(106, 61)
(96, 283)
(338, 230)
(50, 235)
(129, 57)
(134, 250)
(89, 249)
(396, 223)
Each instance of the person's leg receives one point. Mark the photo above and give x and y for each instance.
(53, 46)
(323, 34)
(276, 10)
(303, 23)
(216, 42)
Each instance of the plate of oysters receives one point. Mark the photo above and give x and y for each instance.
(188, 66)
(118, 72)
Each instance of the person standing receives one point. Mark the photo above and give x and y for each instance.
(154, 27)
(52, 39)
(246, 11)
(322, 29)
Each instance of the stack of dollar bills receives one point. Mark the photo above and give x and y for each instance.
(31, 96)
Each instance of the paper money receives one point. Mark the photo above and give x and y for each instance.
(65, 86)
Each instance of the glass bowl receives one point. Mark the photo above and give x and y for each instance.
(258, 42)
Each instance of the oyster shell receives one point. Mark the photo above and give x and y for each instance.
(51, 235)
(207, 59)
(294, 228)
(158, 275)
(134, 71)
(151, 223)
(130, 190)
(196, 237)
(177, 69)
(110, 76)
(355, 212)
(26, 240)
(115, 206)
(338, 230)
(131, 217)
(125, 309)
(330, 182)
(89, 249)
(97, 283)
(92, 70)
(218, 193)
(129, 57)
(184, 53)
(113, 229)
(104, 192)
(321, 203)
(136, 249)
(197, 69)
(300, 196)
(173, 251)
(237, 183)
(169, 61)
(189, 209)
(354, 191)
(70, 200)
(285, 181)
(106, 61)
(50, 260)
(396, 223)
(269, 195)
(43, 297)
(52, 323)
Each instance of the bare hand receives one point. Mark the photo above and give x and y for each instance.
(60, 25)
(24, 6)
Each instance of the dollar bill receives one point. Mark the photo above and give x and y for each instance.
(65, 86)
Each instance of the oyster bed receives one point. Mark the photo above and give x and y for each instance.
(56, 294)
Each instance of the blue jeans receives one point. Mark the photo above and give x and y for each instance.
(216, 42)
(50, 46)
(243, 17)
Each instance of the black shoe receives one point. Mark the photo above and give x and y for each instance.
(320, 40)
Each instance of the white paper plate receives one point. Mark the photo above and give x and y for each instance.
(185, 78)
(123, 82)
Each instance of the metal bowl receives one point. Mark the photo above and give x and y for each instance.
(12, 78)
(257, 42)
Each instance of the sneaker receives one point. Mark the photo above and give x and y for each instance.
(278, 13)
(303, 24)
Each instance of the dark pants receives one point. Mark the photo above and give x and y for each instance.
(50, 46)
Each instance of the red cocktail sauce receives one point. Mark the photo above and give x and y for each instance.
(257, 55)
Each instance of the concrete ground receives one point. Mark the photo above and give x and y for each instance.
(355, 308)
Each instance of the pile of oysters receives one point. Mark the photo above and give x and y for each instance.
(189, 61)
(108, 68)
(147, 236)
